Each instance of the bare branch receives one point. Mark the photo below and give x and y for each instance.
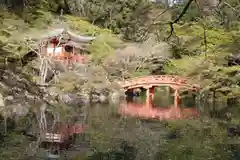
(184, 11)
(233, 8)
(154, 22)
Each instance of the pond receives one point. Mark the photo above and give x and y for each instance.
(210, 132)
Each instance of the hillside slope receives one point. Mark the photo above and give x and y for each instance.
(207, 61)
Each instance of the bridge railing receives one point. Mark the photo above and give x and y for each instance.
(157, 79)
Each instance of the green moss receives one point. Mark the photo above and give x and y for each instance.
(42, 19)
(230, 70)
(143, 72)
(103, 45)
(13, 32)
(214, 36)
(223, 80)
(186, 66)
(66, 86)
(84, 27)
(191, 37)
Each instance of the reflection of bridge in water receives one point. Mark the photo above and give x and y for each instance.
(170, 113)
(149, 83)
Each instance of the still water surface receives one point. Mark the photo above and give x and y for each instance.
(192, 131)
(207, 132)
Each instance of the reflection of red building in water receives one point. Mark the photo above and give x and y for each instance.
(66, 46)
(171, 113)
(61, 135)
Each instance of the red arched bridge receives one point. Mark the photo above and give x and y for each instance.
(150, 82)
(146, 82)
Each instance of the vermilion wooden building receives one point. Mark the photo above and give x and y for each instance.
(66, 46)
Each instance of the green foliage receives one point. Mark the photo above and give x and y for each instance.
(224, 80)
(193, 13)
(228, 15)
(185, 65)
(14, 30)
(84, 27)
(193, 30)
(142, 72)
(103, 45)
(11, 28)
(225, 14)
(206, 60)
(197, 139)
(201, 138)
(16, 147)
(126, 17)
(40, 19)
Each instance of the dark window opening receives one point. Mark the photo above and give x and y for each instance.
(68, 49)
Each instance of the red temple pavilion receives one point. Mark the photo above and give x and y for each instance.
(66, 46)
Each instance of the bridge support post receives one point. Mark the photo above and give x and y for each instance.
(152, 93)
(176, 98)
(149, 96)
(148, 103)
(167, 90)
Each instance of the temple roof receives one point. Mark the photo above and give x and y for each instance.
(76, 45)
(66, 33)
(79, 38)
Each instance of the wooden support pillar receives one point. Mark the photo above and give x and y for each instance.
(167, 90)
(176, 98)
(152, 93)
(148, 100)
(149, 96)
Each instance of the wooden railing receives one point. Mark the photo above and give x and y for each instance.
(157, 80)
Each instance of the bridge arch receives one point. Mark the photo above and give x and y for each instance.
(150, 82)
